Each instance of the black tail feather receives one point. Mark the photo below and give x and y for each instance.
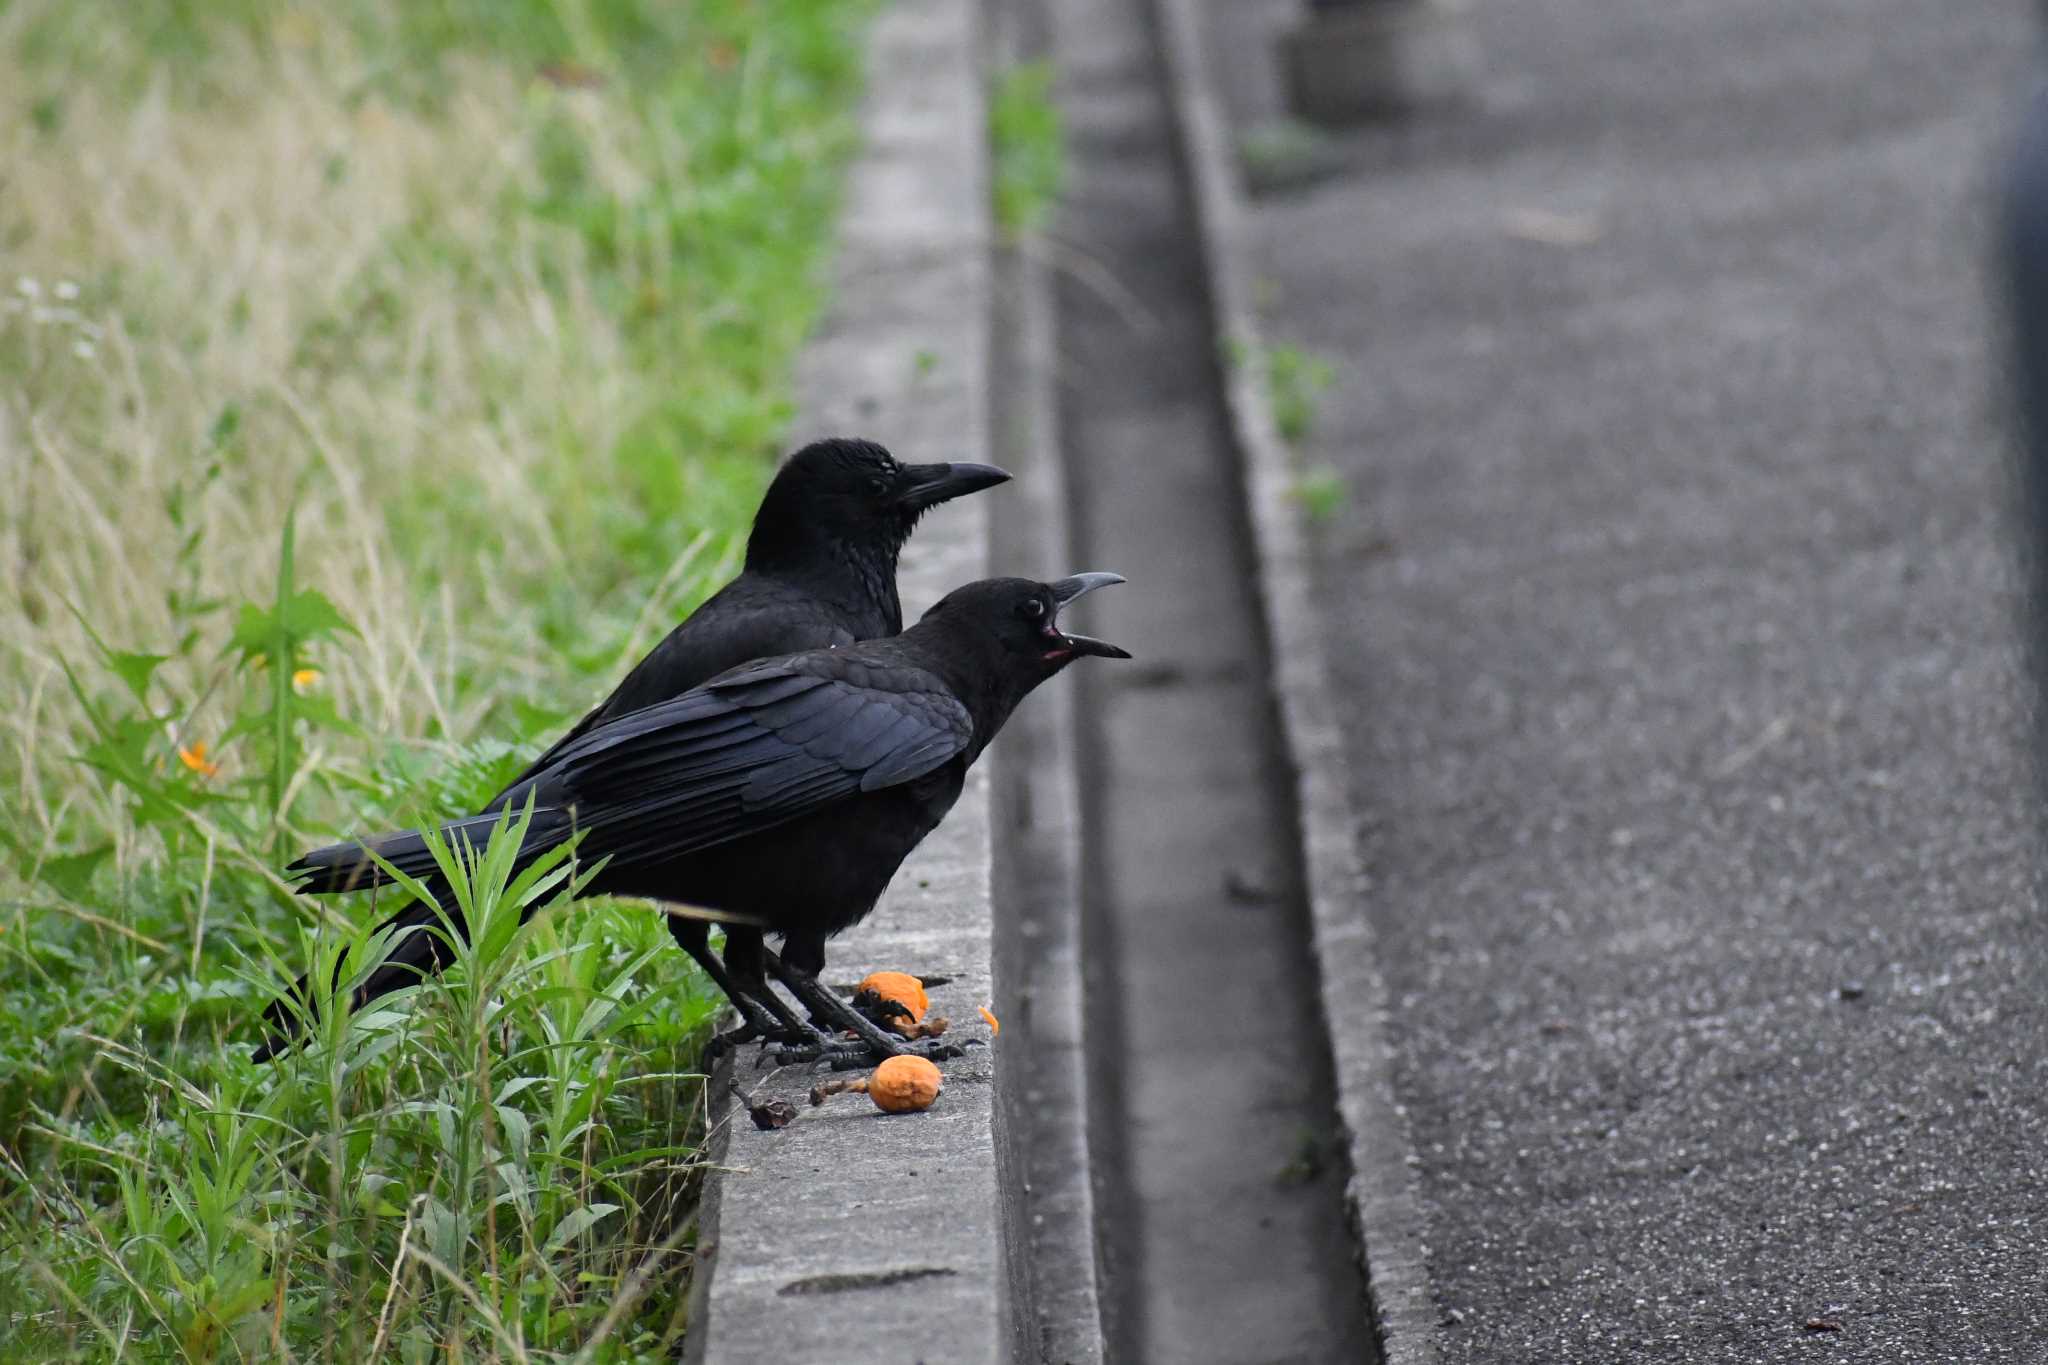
(419, 947)
(419, 943)
(348, 867)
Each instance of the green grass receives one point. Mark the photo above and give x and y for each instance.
(1026, 148)
(1295, 380)
(1322, 493)
(376, 380)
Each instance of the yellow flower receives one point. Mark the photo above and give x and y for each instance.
(195, 759)
(304, 679)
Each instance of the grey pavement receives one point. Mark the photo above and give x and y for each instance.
(1673, 615)
(853, 1235)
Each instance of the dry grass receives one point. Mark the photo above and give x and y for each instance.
(234, 266)
(494, 301)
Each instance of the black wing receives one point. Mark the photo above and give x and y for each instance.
(753, 749)
(749, 618)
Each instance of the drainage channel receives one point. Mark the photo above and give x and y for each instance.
(1213, 1141)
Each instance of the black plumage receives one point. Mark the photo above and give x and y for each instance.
(785, 792)
(820, 571)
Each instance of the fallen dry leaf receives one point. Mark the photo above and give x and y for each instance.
(1552, 229)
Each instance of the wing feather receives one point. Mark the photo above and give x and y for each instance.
(695, 776)
(753, 749)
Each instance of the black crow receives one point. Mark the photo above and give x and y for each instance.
(820, 571)
(784, 792)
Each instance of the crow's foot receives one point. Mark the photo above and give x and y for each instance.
(765, 1033)
(830, 1013)
(733, 1037)
(883, 1010)
(853, 1055)
(763, 1017)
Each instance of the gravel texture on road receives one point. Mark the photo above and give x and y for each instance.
(1674, 611)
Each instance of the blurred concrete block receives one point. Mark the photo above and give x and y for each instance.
(1354, 60)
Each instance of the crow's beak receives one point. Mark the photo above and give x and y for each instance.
(1065, 591)
(928, 485)
(1080, 585)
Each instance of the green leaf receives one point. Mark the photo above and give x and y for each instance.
(516, 1127)
(124, 752)
(576, 1223)
(318, 712)
(370, 1196)
(70, 875)
(301, 617)
(514, 1086)
(310, 616)
(254, 628)
(135, 669)
(224, 427)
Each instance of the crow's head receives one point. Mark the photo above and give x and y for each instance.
(851, 494)
(1011, 626)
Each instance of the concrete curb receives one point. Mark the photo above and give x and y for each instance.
(1384, 1206)
(1042, 1088)
(851, 1235)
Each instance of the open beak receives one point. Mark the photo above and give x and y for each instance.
(928, 485)
(1070, 646)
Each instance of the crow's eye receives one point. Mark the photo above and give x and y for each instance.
(879, 484)
(1032, 609)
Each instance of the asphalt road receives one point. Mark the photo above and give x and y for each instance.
(1674, 611)
(1220, 1224)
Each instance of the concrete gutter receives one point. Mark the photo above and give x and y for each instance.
(1042, 1087)
(851, 1235)
(966, 1234)
(1381, 1195)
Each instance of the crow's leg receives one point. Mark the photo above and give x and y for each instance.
(762, 1014)
(746, 960)
(797, 968)
(828, 1010)
(804, 956)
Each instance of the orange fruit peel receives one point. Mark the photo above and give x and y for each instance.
(900, 1085)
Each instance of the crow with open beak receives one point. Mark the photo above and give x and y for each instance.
(820, 572)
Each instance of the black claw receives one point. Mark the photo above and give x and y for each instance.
(843, 1056)
(788, 1046)
(731, 1038)
(833, 1012)
(854, 1055)
(763, 1034)
(881, 1009)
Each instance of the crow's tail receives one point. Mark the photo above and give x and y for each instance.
(419, 943)
(348, 867)
(419, 947)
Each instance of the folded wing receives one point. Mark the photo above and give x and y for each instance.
(750, 750)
